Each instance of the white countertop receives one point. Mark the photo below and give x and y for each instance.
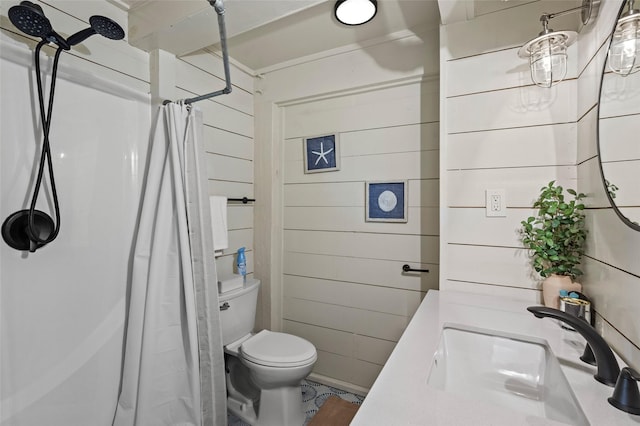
(401, 395)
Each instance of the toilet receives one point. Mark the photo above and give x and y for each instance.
(263, 370)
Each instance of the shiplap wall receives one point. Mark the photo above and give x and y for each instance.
(228, 133)
(612, 269)
(342, 284)
(501, 132)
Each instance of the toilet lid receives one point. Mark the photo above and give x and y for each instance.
(278, 350)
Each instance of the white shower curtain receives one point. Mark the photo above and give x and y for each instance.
(173, 370)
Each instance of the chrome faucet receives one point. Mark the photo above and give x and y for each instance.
(608, 368)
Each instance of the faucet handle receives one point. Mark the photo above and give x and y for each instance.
(626, 396)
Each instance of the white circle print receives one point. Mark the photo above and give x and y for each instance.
(387, 201)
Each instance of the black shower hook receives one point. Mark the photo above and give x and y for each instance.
(30, 229)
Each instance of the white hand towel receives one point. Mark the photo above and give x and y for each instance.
(218, 205)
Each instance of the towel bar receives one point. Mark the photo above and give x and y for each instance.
(244, 200)
(407, 268)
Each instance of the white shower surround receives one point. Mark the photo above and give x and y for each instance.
(63, 307)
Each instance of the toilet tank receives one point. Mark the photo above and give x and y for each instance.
(238, 311)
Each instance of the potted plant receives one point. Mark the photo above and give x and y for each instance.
(555, 238)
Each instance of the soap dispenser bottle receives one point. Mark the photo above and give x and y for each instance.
(242, 264)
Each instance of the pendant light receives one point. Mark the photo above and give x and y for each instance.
(547, 53)
(355, 12)
(625, 43)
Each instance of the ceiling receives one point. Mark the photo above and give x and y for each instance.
(263, 33)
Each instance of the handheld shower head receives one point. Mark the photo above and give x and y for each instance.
(99, 25)
(29, 18)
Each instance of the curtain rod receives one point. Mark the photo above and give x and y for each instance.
(219, 7)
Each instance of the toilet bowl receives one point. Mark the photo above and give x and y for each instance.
(264, 370)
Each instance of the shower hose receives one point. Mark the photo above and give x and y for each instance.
(45, 156)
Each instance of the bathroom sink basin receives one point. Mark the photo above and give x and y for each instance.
(506, 371)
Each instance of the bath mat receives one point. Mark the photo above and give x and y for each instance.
(334, 412)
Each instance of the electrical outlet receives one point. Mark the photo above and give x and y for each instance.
(496, 204)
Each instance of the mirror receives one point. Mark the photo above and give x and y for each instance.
(619, 122)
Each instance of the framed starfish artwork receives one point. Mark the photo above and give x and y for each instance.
(386, 201)
(321, 153)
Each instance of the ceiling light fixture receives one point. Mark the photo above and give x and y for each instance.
(547, 53)
(355, 12)
(625, 43)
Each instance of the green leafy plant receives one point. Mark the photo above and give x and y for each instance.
(556, 236)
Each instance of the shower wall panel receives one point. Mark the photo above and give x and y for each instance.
(63, 307)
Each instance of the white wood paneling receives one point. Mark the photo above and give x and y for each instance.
(502, 132)
(421, 221)
(389, 60)
(347, 369)
(394, 106)
(385, 140)
(555, 145)
(409, 248)
(509, 28)
(612, 274)
(240, 216)
(606, 284)
(228, 134)
(195, 80)
(504, 266)
(228, 168)
(212, 64)
(424, 193)
(403, 165)
(466, 188)
(324, 339)
(589, 82)
(230, 189)
(612, 242)
(530, 295)
(372, 298)
(368, 323)
(218, 141)
(373, 350)
(341, 273)
(587, 127)
(517, 107)
(498, 70)
(385, 273)
(240, 238)
(221, 116)
(472, 226)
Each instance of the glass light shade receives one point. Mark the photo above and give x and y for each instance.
(355, 12)
(548, 62)
(625, 45)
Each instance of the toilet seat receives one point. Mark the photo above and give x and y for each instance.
(273, 349)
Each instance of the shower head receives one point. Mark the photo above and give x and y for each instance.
(29, 18)
(99, 25)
